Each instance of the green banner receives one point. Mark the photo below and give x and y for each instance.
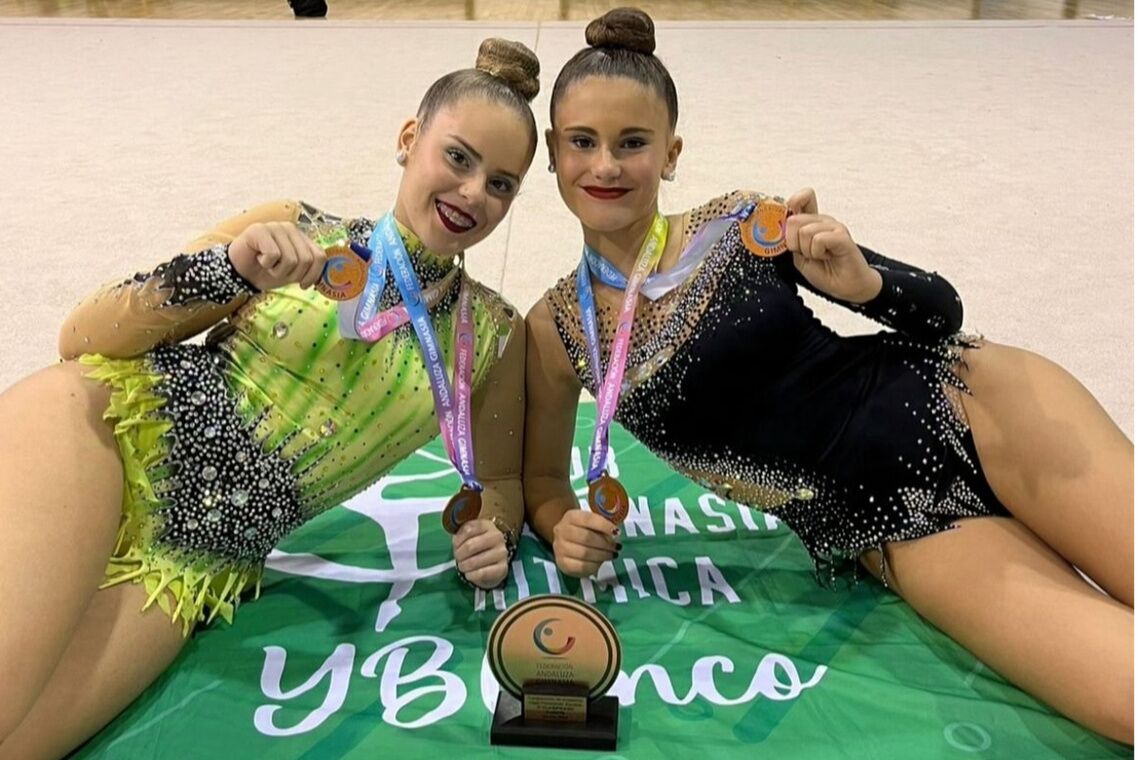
(365, 645)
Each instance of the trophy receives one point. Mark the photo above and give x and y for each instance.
(555, 657)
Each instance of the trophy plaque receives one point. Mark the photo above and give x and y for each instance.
(555, 657)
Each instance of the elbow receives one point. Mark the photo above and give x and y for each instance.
(70, 343)
(954, 316)
(532, 496)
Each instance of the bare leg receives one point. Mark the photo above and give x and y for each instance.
(116, 652)
(997, 589)
(60, 501)
(1055, 459)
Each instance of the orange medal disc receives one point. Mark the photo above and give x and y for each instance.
(763, 230)
(608, 498)
(463, 507)
(344, 275)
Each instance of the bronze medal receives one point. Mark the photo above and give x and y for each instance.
(463, 507)
(344, 275)
(763, 230)
(608, 498)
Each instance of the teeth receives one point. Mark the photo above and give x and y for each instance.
(454, 217)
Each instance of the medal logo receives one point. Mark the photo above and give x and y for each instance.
(763, 230)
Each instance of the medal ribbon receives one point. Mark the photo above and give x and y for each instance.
(452, 407)
(608, 391)
(366, 323)
(660, 283)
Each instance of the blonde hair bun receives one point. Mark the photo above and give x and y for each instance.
(512, 62)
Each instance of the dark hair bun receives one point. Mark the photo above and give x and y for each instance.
(513, 62)
(627, 28)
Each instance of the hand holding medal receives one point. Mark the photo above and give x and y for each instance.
(826, 255)
(275, 254)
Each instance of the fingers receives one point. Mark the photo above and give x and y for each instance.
(476, 539)
(828, 243)
(814, 236)
(488, 577)
(578, 560)
(286, 254)
(481, 553)
(288, 257)
(583, 541)
(803, 202)
(590, 521)
(316, 265)
(260, 239)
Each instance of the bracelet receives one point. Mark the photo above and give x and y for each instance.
(512, 545)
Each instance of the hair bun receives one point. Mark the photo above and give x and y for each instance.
(511, 61)
(627, 28)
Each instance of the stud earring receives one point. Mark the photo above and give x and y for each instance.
(401, 158)
(550, 167)
(669, 176)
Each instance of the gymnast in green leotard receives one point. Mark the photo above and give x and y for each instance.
(148, 473)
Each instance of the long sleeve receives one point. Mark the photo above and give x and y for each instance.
(498, 432)
(912, 301)
(178, 299)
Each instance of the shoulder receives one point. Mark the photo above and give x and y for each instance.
(492, 303)
(725, 204)
(280, 210)
(722, 205)
(559, 298)
(549, 369)
(540, 319)
(225, 231)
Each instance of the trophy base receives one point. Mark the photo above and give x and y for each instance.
(599, 730)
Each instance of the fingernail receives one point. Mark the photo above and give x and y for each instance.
(618, 545)
(617, 531)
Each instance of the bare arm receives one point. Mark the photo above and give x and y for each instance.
(552, 406)
(582, 540)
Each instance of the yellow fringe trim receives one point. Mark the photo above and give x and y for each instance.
(195, 588)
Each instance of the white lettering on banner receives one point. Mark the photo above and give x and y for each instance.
(338, 667)
(712, 579)
(552, 581)
(429, 693)
(578, 460)
(775, 678)
(747, 517)
(677, 517)
(399, 520)
(706, 501)
(639, 519)
(521, 585)
(659, 584)
(635, 578)
(498, 599)
(606, 577)
(766, 682)
(709, 577)
(450, 686)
